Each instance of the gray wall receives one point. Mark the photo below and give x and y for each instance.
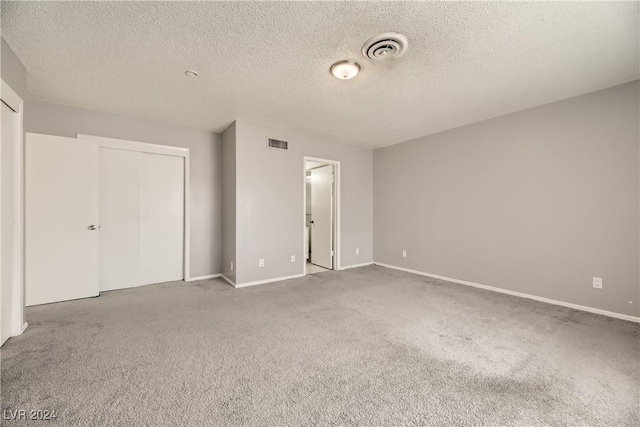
(205, 156)
(12, 70)
(270, 201)
(538, 201)
(229, 202)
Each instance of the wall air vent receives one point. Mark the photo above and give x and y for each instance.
(277, 144)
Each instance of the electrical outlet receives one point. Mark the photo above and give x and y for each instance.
(231, 266)
(404, 254)
(261, 263)
(597, 282)
(357, 251)
(293, 258)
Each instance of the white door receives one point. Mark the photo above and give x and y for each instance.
(7, 227)
(322, 216)
(119, 218)
(61, 219)
(162, 225)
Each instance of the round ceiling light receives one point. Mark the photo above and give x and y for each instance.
(191, 73)
(345, 70)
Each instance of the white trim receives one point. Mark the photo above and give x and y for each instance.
(262, 282)
(357, 265)
(338, 184)
(517, 294)
(229, 281)
(10, 98)
(14, 102)
(210, 276)
(123, 144)
(187, 216)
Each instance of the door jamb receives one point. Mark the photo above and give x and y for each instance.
(122, 144)
(336, 212)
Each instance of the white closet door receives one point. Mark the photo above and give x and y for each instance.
(61, 219)
(119, 218)
(162, 225)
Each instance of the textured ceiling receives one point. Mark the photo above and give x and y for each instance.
(268, 63)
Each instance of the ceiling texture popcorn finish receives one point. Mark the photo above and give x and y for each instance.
(267, 62)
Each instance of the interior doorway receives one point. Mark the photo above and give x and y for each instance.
(321, 215)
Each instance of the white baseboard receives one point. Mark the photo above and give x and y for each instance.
(24, 327)
(262, 282)
(356, 265)
(210, 276)
(229, 281)
(517, 294)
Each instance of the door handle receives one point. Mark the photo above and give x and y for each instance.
(92, 227)
(311, 222)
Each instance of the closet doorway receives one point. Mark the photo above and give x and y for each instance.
(141, 218)
(143, 213)
(321, 215)
(103, 214)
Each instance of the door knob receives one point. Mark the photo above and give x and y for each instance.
(91, 227)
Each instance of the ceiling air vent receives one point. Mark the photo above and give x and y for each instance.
(277, 144)
(385, 46)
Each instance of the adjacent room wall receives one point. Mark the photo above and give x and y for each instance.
(539, 201)
(270, 202)
(205, 157)
(12, 70)
(229, 202)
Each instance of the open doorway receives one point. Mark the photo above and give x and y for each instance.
(321, 215)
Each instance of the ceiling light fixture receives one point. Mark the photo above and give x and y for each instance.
(191, 73)
(345, 70)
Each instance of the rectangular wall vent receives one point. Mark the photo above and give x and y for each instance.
(277, 144)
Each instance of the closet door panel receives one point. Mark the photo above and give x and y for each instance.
(61, 224)
(162, 226)
(119, 218)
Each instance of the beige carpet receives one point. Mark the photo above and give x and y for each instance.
(368, 346)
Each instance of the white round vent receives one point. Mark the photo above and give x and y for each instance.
(385, 46)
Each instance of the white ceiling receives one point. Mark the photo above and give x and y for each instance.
(268, 63)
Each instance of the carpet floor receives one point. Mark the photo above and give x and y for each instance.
(368, 346)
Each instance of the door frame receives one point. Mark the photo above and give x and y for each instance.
(336, 208)
(144, 147)
(14, 102)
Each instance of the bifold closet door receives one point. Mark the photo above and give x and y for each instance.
(142, 218)
(120, 218)
(162, 225)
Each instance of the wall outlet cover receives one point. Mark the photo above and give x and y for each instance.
(293, 258)
(231, 266)
(261, 263)
(404, 254)
(597, 282)
(357, 251)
